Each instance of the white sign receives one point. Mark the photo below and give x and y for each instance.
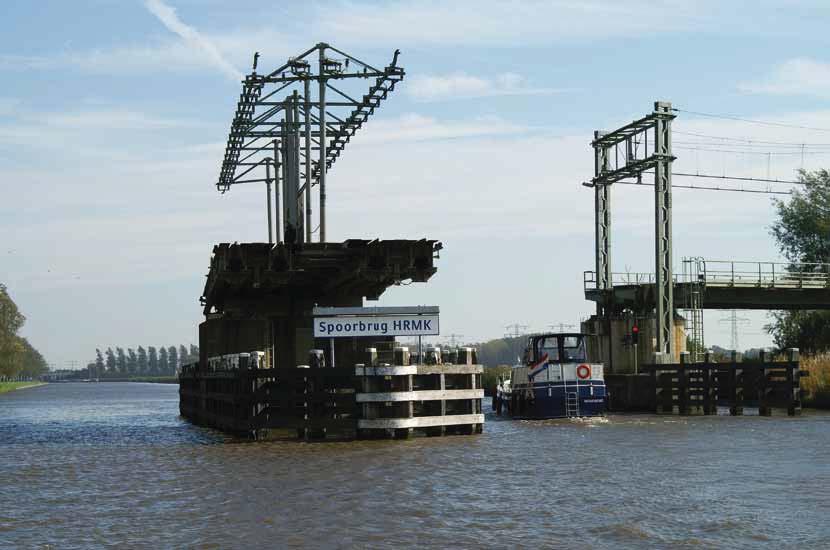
(376, 325)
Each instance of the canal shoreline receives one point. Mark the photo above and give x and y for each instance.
(6, 387)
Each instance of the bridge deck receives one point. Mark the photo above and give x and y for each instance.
(723, 285)
(641, 297)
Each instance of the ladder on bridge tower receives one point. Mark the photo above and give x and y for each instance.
(694, 307)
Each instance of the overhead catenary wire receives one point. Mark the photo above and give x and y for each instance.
(738, 178)
(746, 147)
(751, 141)
(745, 152)
(752, 121)
(710, 188)
(754, 146)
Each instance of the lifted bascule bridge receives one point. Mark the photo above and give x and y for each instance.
(264, 369)
(651, 302)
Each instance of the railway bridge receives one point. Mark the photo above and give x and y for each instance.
(707, 284)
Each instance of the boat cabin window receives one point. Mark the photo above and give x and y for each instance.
(573, 349)
(550, 346)
(560, 349)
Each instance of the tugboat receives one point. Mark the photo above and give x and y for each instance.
(555, 381)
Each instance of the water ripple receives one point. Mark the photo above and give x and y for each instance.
(88, 465)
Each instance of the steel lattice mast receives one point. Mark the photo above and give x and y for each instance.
(632, 157)
(278, 126)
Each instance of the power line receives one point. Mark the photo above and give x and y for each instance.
(752, 146)
(765, 153)
(454, 339)
(708, 188)
(515, 331)
(751, 141)
(737, 178)
(751, 121)
(734, 321)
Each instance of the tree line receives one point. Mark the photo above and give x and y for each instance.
(501, 351)
(18, 358)
(149, 361)
(802, 232)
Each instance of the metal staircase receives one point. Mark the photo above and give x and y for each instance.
(289, 105)
(366, 108)
(251, 92)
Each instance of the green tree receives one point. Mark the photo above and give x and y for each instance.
(141, 367)
(132, 362)
(193, 356)
(173, 359)
(501, 351)
(99, 363)
(121, 361)
(11, 348)
(163, 367)
(152, 360)
(111, 362)
(183, 355)
(802, 232)
(32, 362)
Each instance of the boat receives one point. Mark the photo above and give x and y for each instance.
(555, 380)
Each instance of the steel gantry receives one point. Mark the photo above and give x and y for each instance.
(623, 154)
(281, 133)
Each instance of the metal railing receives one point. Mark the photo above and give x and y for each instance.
(620, 279)
(728, 273)
(764, 274)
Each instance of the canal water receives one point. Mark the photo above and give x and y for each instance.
(109, 464)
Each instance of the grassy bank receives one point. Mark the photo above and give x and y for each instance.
(816, 386)
(11, 386)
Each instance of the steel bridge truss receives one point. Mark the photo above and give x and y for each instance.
(287, 132)
(623, 154)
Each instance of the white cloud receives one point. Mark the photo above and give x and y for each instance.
(197, 41)
(116, 119)
(415, 127)
(464, 86)
(235, 48)
(494, 22)
(366, 25)
(799, 76)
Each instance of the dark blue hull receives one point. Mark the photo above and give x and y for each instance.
(557, 400)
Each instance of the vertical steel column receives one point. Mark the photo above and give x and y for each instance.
(285, 167)
(268, 197)
(602, 217)
(321, 167)
(602, 220)
(663, 230)
(307, 108)
(290, 162)
(295, 105)
(277, 226)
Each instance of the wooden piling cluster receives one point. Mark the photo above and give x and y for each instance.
(687, 388)
(397, 401)
(336, 403)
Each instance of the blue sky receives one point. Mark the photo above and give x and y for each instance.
(113, 116)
